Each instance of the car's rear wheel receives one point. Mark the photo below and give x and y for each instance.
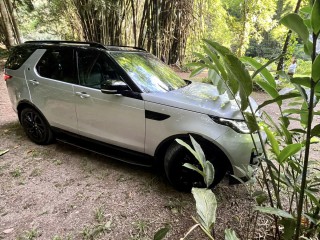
(182, 178)
(35, 126)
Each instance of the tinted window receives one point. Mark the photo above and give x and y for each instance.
(17, 56)
(58, 65)
(148, 72)
(94, 69)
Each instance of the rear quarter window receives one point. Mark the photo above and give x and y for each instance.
(17, 56)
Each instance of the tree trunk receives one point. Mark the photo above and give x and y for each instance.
(8, 26)
(286, 42)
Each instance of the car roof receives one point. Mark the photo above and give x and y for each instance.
(53, 43)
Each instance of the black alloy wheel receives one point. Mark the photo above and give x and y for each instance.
(35, 126)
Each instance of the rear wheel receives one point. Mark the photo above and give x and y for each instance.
(35, 126)
(182, 178)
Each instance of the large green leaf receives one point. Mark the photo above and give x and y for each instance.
(200, 154)
(216, 61)
(294, 22)
(316, 68)
(187, 146)
(269, 89)
(240, 72)
(274, 211)
(218, 47)
(161, 233)
(194, 168)
(196, 71)
(229, 234)
(289, 226)
(206, 205)
(315, 17)
(206, 60)
(251, 122)
(289, 151)
(315, 131)
(302, 81)
(304, 114)
(277, 99)
(264, 71)
(209, 173)
(273, 141)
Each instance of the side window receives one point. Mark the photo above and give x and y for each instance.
(18, 55)
(95, 70)
(57, 64)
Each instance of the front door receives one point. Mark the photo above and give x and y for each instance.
(111, 118)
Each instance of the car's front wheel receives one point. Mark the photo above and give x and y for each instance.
(182, 178)
(35, 126)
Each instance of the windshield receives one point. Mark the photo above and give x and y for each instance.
(148, 72)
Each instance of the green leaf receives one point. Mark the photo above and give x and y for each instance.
(187, 146)
(274, 211)
(216, 61)
(200, 154)
(251, 122)
(192, 167)
(294, 22)
(306, 10)
(274, 143)
(196, 71)
(277, 99)
(269, 89)
(218, 47)
(315, 17)
(2, 152)
(304, 114)
(289, 226)
(230, 234)
(209, 173)
(161, 233)
(315, 131)
(240, 72)
(316, 68)
(206, 205)
(260, 197)
(302, 81)
(289, 151)
(262, 70)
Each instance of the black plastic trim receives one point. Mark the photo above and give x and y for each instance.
(105, 149)
(156, 115)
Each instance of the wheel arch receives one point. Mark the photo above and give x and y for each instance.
(204, 143)
(27, 104)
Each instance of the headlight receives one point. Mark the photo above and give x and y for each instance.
(240, 126)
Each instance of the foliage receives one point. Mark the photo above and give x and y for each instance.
(292, 192)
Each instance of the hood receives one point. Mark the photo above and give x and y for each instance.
(199, 97)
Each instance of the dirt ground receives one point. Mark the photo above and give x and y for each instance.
(61, 192)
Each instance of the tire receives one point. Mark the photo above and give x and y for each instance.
(182, 178)
(36, 126)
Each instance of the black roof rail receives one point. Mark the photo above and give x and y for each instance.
(137, 48)
(91, 44)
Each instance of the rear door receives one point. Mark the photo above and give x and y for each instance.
(51, 82)
(111, 118)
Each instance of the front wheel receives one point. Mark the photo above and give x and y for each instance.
(182, 178)
(35, 126)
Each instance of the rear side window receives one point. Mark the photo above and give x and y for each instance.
(17, 56)
(58, 64)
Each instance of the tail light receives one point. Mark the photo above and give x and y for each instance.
(6, 77)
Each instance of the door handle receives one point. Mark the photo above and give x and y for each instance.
(82, 94)
(34, 82)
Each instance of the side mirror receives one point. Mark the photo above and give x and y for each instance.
(116, 87)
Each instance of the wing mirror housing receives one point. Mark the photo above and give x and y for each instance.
(116, 87)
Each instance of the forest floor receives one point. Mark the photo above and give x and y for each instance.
(61, 192)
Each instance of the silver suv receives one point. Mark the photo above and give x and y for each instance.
(111, 98)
